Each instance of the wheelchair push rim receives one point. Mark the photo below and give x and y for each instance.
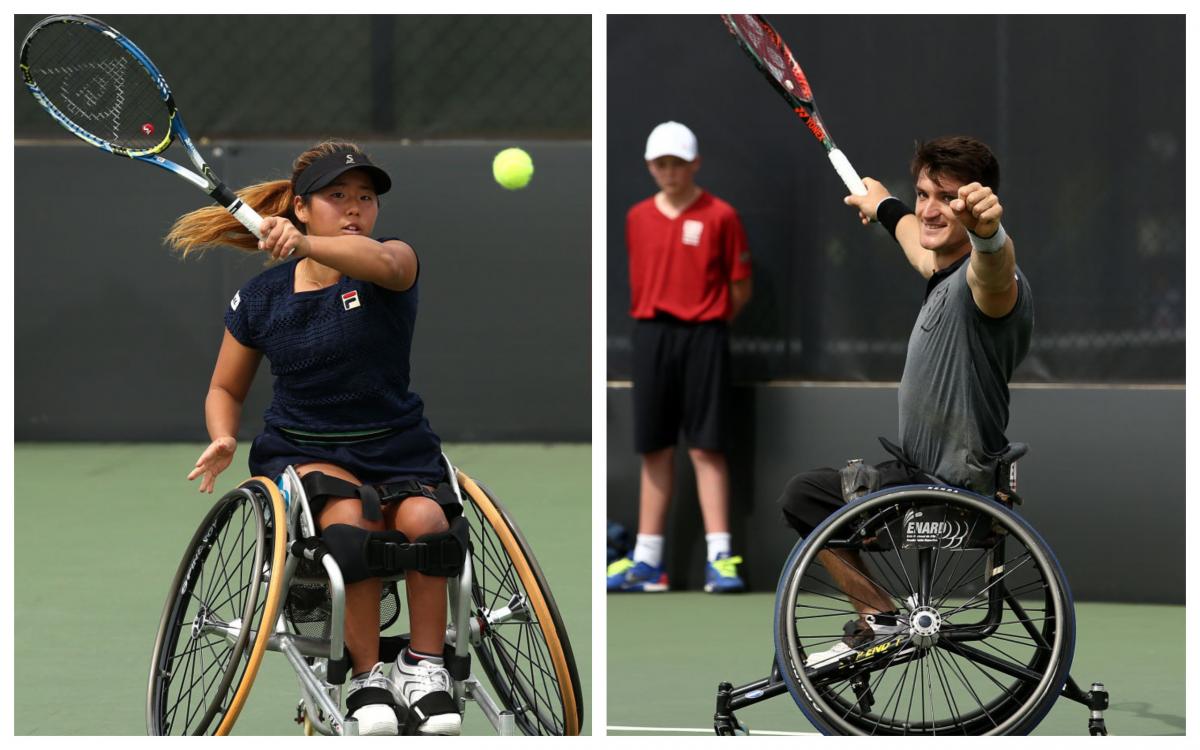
(527, 656)
(986, 624)
(219, 614)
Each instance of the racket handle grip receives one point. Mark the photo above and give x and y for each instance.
(234, 205)
(248, 216)
(251, 220)
(242, 212)
(853, 182)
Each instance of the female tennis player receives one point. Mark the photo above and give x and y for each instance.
(335, 320)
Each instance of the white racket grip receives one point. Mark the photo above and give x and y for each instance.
(248, 216)
(853, 182)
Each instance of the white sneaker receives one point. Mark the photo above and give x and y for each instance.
(370, 701)
(424, 688)
(859, 636)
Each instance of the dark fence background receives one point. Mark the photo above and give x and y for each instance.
(357, 76)
(115, 338)
(1091, 149)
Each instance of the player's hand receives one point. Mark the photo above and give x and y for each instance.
(978, 209)
(215, 459)
(866, 204)
(281, 238)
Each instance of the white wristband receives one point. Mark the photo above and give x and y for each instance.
(988, 245)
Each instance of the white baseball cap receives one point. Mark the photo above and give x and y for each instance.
(671, 139)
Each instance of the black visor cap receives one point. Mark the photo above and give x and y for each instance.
(328, 168)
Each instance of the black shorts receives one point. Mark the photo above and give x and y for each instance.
(396, 456)
(812, 496)
(680, 382)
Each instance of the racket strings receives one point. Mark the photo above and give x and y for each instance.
(768, 50)
(99, 86)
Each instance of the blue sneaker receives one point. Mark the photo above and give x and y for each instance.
(720, 576)
(626, 575)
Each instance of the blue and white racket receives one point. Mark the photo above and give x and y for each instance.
(99, 86)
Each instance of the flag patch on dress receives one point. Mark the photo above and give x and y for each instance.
(350, 300)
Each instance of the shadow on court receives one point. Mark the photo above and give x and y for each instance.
(668, 652)
(100, 530)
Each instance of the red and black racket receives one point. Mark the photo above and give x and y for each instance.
(771, 55)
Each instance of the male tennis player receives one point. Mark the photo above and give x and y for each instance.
(972, 331)
(689, 275)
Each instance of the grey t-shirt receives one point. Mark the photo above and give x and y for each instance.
(954, 391)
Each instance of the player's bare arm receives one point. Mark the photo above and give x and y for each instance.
(991, 275)
(391, 264)
(907, 230)
(231, 380)
(740, 293)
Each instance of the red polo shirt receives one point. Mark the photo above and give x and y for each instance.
(683, 266)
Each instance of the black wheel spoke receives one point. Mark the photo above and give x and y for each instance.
(222, 581)
(993, 606)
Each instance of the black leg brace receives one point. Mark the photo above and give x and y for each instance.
(363, 554)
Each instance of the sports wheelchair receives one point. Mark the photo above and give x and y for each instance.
(985, 633)
(254, 579)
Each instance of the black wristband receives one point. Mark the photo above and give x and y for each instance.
(889, 212)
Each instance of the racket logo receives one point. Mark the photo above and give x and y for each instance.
(147, 129)
(350, 299)
(811, 122)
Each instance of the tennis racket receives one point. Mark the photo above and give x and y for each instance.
(99, 86)
(771, 55)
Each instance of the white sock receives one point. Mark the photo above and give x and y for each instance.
(412, 658)
(649, 549)
(718, 543)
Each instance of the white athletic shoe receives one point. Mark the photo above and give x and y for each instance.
(370, 701)
(424, 688)
(858, 635)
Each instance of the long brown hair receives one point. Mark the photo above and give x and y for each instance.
(211, 226)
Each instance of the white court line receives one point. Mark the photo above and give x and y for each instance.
(691, 730)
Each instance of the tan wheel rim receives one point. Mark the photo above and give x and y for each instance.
(270, 609)
(529, 581)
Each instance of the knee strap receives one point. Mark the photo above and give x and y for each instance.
(363, 554)
(319, 486)
(858, 479)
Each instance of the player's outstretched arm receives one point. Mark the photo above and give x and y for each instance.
(391, 264)
(992, 273)
(906, 229)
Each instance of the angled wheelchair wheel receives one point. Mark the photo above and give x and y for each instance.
(219, 614)
(985, 631)
(523, 649)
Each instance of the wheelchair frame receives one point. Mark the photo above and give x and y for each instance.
(731, 699)
(313, 659)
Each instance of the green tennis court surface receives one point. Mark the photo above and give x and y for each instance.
(667, 653)
(100, 530)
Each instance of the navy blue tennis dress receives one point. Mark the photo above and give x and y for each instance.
(340, 358)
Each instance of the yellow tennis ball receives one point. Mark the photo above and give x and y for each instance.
(512, 168)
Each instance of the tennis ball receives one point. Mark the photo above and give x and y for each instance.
(512, 168)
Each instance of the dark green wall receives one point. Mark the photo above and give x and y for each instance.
(1103, 481)
(115, 338)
